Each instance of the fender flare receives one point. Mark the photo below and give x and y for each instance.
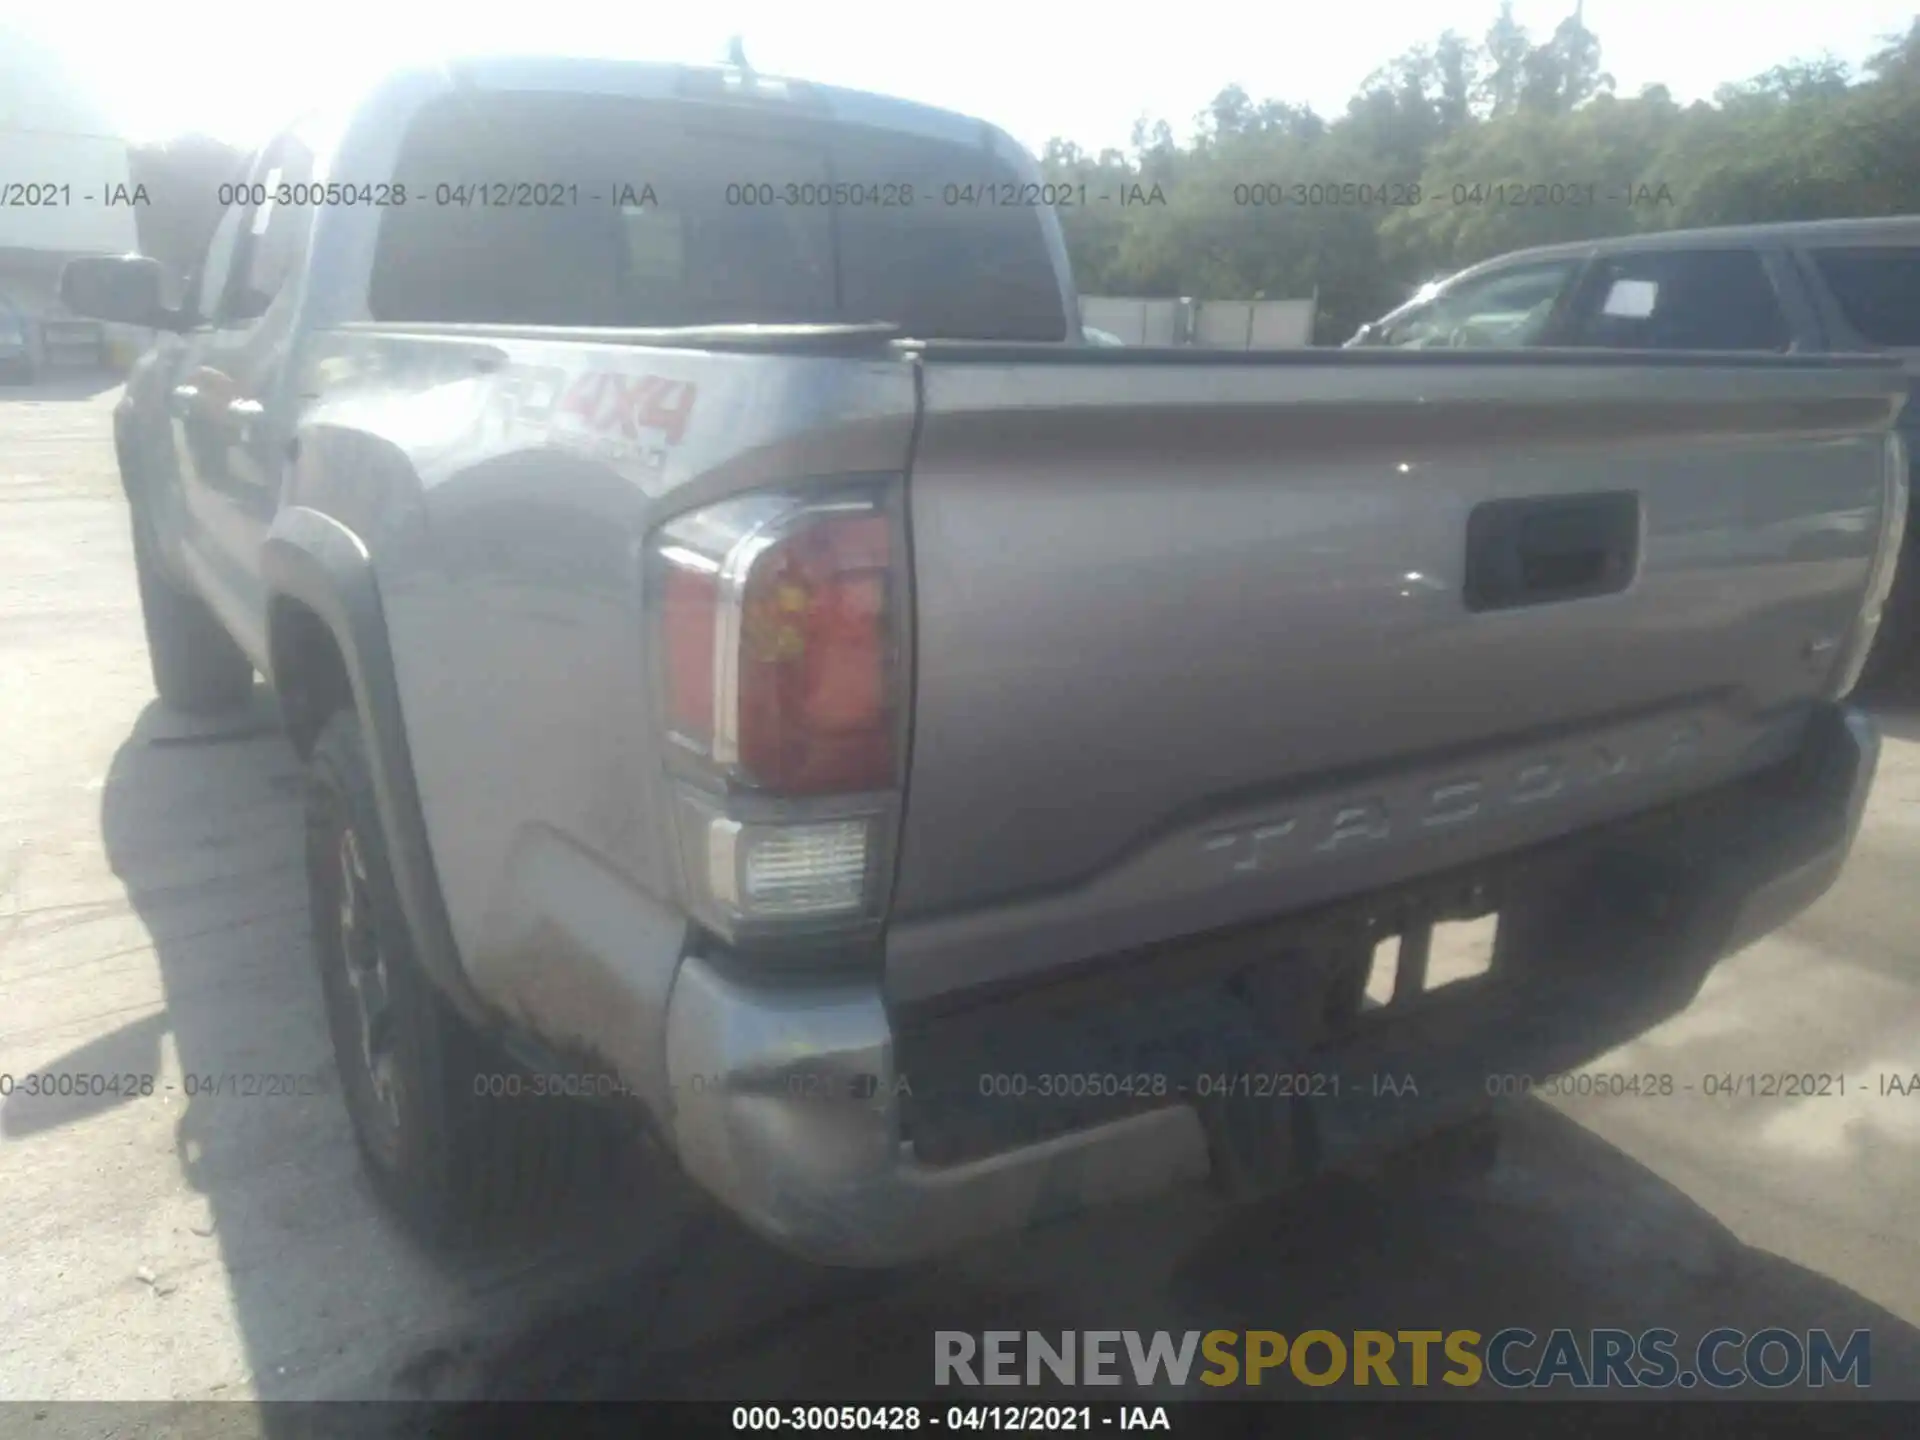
(312, 558)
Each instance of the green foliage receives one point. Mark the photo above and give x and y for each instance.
(1511, 144)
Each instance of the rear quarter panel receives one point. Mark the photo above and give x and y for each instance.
(504, 489)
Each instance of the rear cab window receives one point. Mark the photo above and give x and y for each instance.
(1877, 290)
(1679, 300)
(550, 208)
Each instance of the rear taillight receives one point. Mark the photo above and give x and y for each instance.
(778, 623)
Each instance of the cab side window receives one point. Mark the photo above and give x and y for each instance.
(1506, 310)
(1680, 300)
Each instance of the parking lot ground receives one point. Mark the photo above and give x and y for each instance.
(168, 1246)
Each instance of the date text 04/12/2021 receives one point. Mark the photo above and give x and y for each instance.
(70, 1085)
(1404, 194)
(814, 1419)
(1018, 1087)
(1725, 1085)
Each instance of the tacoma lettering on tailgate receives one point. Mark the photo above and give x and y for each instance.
(1346, 823)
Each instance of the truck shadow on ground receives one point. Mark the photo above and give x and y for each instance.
(201, 822)
(1565, 1231)
(650, 1295)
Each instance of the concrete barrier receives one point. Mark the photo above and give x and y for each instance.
(1212, 324)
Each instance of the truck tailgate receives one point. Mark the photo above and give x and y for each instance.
(1205, 639)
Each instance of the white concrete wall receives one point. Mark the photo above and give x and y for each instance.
(1216, 324)
(82, 221)
(1254, 324)
(1138, 322)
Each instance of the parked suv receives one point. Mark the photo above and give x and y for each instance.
(1807, 287)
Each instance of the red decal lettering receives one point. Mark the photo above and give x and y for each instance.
(583, 396)
(631, 404)
(669, 409)
(635, 394)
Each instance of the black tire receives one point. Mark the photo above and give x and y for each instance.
(1472, 1147)
(1465, 1149)
(458, 1161)
(197, 669)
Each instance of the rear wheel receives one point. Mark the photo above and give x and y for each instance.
(451, 1134)
(197, 669)
(1465, 1149)
(1470, 1147)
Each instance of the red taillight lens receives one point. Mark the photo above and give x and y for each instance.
(778, 629)
(777, 642)
(689, 603)
(813, 711)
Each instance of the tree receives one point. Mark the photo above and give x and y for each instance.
(1564, 73)
(1801, 79)
(1456, 69)
(1899, 62)
(1510, 144)
(1507, 49)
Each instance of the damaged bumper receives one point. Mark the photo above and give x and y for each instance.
(854, 1137)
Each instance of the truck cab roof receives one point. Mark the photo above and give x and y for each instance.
(662, 80)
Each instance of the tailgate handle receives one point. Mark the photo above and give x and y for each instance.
(1551, 548)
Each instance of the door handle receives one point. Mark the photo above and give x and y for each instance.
(180, 399)
(245, 409)
(1546, 549)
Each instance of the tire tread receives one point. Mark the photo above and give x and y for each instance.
(483, 1168)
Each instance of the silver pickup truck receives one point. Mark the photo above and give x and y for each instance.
(755, 663)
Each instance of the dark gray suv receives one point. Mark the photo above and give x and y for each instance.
(1809, 286)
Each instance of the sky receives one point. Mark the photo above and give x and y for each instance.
(236, 69)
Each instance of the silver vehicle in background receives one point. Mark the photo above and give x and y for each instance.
(1802, 288)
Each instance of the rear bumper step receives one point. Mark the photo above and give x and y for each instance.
(1239, 1059)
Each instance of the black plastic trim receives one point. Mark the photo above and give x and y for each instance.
(314, 559)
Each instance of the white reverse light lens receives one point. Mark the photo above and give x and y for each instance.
(804, 869)
(780, 872)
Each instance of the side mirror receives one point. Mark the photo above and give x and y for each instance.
(125, 289)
